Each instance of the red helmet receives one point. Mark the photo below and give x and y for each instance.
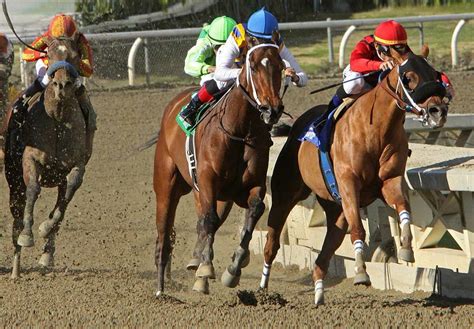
(62, 26)
(390, 33)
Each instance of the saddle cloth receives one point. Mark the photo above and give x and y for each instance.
(319, 132)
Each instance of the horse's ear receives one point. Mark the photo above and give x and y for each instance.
(276, 37)
(425, 51)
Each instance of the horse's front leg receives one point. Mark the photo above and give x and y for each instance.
(394, 194)
(31, 178)
(50, 227)
(350, 193)
(241, 258)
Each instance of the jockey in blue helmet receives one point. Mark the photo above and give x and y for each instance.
(260, 26)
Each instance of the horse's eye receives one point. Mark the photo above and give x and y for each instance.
(55, 83)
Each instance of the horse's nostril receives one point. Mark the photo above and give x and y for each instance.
(434, 110)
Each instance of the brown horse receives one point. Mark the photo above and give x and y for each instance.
(53, 153)
(369, 153)
(232, 150)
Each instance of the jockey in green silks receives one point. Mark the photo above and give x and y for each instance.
(201, 58)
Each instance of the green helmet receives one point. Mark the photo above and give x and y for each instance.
(220, 29)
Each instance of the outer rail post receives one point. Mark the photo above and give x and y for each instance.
(422, 34)
(454, 43)
(147, 62)
(23, 77)
(330, 43)
(131, 61)
(342, 47)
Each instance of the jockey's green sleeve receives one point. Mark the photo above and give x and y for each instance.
(199, 58)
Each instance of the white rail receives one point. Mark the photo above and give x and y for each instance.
(350, 24)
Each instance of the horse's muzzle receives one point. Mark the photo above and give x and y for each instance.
(271, 115)
(437, 115)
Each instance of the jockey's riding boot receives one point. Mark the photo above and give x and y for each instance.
(188, 114)
(21, 104)
(89, 116)
(334, 103)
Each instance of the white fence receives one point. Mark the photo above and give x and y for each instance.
(329, 25)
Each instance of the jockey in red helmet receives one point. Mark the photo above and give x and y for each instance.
(372, 53)
(61, 27)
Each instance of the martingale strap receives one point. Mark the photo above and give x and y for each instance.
(191, 159)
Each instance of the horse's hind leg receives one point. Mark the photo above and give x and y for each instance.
(336, 231)
(393, 193)
(288, 189)
(169, 186)
(17, 206)
(223, 209)
(202, 283)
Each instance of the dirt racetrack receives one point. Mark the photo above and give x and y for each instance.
(104, 271)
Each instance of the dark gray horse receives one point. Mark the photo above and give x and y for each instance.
(51, 152)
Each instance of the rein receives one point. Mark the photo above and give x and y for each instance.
(404, 106)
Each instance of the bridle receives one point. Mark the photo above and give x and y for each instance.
(411, 106)
(253, 99)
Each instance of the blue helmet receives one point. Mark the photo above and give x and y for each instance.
(261, 24)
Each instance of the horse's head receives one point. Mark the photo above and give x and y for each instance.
(63, 80)
(421, 87)
(261, 77)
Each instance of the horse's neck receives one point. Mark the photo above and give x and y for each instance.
(383, 112)
(239, 115)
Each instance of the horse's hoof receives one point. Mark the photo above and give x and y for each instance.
(45, 228)
(206, 271)
(229, 280)
(246, 261)
(362, 279)
(25, 240)
(46, 260)
(201, 285)
(193, 264)
(15, 275)
(406, 255)
(159, 293)
(319, 297)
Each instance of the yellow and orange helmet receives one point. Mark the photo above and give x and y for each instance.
(62, 26)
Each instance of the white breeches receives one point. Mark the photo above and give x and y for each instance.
(354, 87)
(43, 78)
(210, 76)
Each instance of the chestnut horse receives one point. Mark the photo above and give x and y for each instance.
(369, 153)
(54, 154)
(232, 151)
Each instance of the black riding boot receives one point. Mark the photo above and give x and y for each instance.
(188, 114)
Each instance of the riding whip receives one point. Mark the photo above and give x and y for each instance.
(341, 83)
(7, 17)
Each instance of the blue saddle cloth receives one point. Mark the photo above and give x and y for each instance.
(319, 133)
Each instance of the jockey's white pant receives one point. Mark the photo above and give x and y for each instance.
(43, 77)
(210, 76)
(356, 86)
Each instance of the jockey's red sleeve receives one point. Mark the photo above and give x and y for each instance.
(31, 55)
(86, 64)
(364, 58)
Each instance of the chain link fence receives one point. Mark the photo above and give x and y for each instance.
(165, 54)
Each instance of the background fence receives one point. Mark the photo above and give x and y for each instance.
(314, 44)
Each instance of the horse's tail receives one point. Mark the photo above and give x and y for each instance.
(149, 143)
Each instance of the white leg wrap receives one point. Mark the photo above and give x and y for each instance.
(265, 275)
(405, 217)
(358, 246)
(318, 285)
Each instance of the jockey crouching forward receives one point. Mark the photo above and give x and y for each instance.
(201, 62)
(260, 26)
(61, 27)
(373, 53)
